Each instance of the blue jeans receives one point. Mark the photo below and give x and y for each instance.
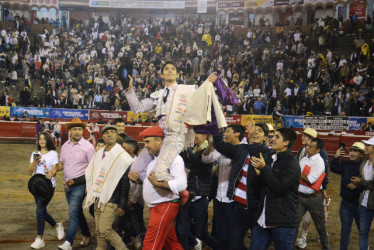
(348, 212)
(198, 212)
(366, 217)
(42, 215)
(75, 196)
(242, 220)
(262, 237)
(222, 222)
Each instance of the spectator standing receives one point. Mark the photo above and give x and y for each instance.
(42, 161)
(349, 206)
(76, 153)
(277, 183)
(365, 181)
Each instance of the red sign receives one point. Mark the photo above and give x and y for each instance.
(358, 8)
(233, 119)
(96, 115)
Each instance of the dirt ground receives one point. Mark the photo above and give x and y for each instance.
(17, 206)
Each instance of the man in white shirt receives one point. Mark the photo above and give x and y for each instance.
(366, 183)
(310, 196)
(162, 197)
(223, 205)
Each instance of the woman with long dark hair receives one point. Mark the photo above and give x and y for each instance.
(42, 161)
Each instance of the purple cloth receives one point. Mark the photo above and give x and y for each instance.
(210, 128)
(225, 94)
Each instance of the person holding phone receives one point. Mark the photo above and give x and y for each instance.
(349, 206)
(41, 162)
(365, 182)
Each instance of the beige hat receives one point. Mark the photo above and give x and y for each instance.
(310, 132)
(271, 128)
(359, 146)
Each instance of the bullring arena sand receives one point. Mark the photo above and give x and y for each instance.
(17, 206)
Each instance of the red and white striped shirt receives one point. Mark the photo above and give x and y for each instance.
(241, 188)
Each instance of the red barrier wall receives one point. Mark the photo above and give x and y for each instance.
(26, 131)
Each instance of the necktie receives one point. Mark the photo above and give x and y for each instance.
(166, 94)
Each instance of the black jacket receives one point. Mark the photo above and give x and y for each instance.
(238, 154)
(279, 183)
(120, 195)
(347, 169)
(200, 178)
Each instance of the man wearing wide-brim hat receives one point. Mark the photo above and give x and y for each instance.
(365, 182)
(76, 153)
(349, 206)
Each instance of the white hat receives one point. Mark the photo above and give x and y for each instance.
(369, 142)
(359, 146)
(271, 128)
(312, 132)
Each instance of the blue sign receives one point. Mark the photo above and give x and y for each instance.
(293, 121)
(69, 113)
(355, 123)
(31, 112)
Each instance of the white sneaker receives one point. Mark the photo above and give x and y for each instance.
(138, 242)
(38, 243)
(198, 246)
(301, 243)
(60, 231)
(65, 246)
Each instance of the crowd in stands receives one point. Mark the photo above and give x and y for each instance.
(291, 72)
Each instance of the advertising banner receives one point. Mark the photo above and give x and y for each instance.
(258, 3)
(134, 116)
(228, 5)
(233, 119)
(355, 123)
(97, 115)
(31, 112)
(69, 113)
(16, 1)
(4, 111)
(287, 2)
(171, 4)
(256, 118)
(337, 123)
(327, 122)
(359, 8)
(293, 121)
(236, 18)
(202, 6)
(316, 122)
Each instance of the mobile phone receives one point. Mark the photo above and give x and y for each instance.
(342, 145)
(36, 154)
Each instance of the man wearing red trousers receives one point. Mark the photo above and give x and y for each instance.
(162, 197)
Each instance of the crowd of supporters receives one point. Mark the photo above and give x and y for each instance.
(291, 72)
